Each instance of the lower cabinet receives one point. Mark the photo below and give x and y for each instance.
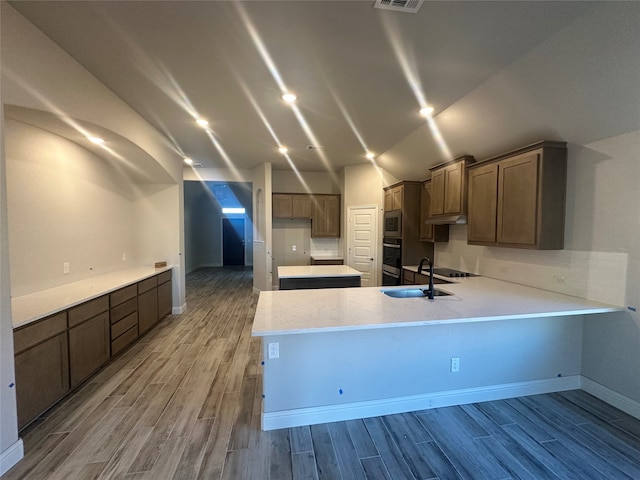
(41, 365)
(57, 353)
(89, 345)
(164, 294)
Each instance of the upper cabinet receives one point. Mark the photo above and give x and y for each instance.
(322, 210)
(518, 199)
(429, 232)
(291, 205)
(449, 188)
(325, 221)
(393, 198)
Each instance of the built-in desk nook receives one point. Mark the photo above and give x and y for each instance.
(64, 334)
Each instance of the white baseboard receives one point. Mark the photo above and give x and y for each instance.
(611, 397)
(179, 310)
(388, 406)
(11, 456)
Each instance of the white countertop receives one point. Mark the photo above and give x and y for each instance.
(32, 307)
(474, 299)
(317, 271)
(326, 256)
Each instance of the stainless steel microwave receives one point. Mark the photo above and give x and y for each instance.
(393, 224)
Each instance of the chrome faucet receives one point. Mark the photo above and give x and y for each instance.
(430, 292)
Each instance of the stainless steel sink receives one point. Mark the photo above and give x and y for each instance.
(414, 292)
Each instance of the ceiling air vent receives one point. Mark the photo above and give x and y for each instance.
(408, 6)
(315, 147)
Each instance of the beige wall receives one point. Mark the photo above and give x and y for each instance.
(64, 205)
(307, 182)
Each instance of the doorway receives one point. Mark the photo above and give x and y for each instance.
(233, 241)
(362, 242)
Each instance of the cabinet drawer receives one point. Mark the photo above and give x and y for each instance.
(164, 277)
(88, 310)
(35, 333)
(147, 284)
(124, 309)
(122, 295)
(123, 340)
(123, 325)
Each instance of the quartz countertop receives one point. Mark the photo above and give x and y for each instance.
(475, 299)
(319, 271)
(32, 307)
(325, 256)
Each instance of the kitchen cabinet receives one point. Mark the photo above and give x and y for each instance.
(123, 317)
(518, 199)
(326, 261)
(430, 232)
(147, 304)
(164, 294)
(291, 205)
(409, 277)
(322, 209)
(325, 221)
(41, 366)
(449, 188)
(393, 198)
(89, 341)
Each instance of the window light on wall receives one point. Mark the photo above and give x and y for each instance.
(228, 210)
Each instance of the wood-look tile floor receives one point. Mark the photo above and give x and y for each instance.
(184, 403)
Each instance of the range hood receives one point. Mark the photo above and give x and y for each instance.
(447, 220)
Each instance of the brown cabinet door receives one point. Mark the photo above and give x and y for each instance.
(483, 201)
(518, 200)
(88, 347)
(301, 205)
(453, 188)
(437, 192)
(426, 230)
(42, 377)
(397, 197)
(164, 300)
(388, 200)
(408, 277)
(282, 205)
(147, 310)
(326, 216)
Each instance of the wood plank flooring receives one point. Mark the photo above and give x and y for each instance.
(184, 403)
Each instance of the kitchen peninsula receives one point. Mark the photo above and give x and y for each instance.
(359, 352)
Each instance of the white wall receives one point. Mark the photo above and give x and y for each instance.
(307, 182)
(583, 86)
(263, 243)
(37, 74)
(10, 446)
(64, 205)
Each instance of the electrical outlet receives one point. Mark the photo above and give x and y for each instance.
(294, 248)
(274, 351)
(455, 365)
(65, 268)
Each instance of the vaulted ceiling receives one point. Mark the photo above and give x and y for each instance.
(360, 73)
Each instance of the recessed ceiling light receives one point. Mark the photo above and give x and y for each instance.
(370, 155)
(283, 150)
(426, 111)
(289, 97)
(188, 161)
(202, 122)
(96, 140)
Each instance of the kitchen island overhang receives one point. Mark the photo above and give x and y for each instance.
(353, 353)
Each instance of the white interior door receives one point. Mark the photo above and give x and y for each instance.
(362, 242)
